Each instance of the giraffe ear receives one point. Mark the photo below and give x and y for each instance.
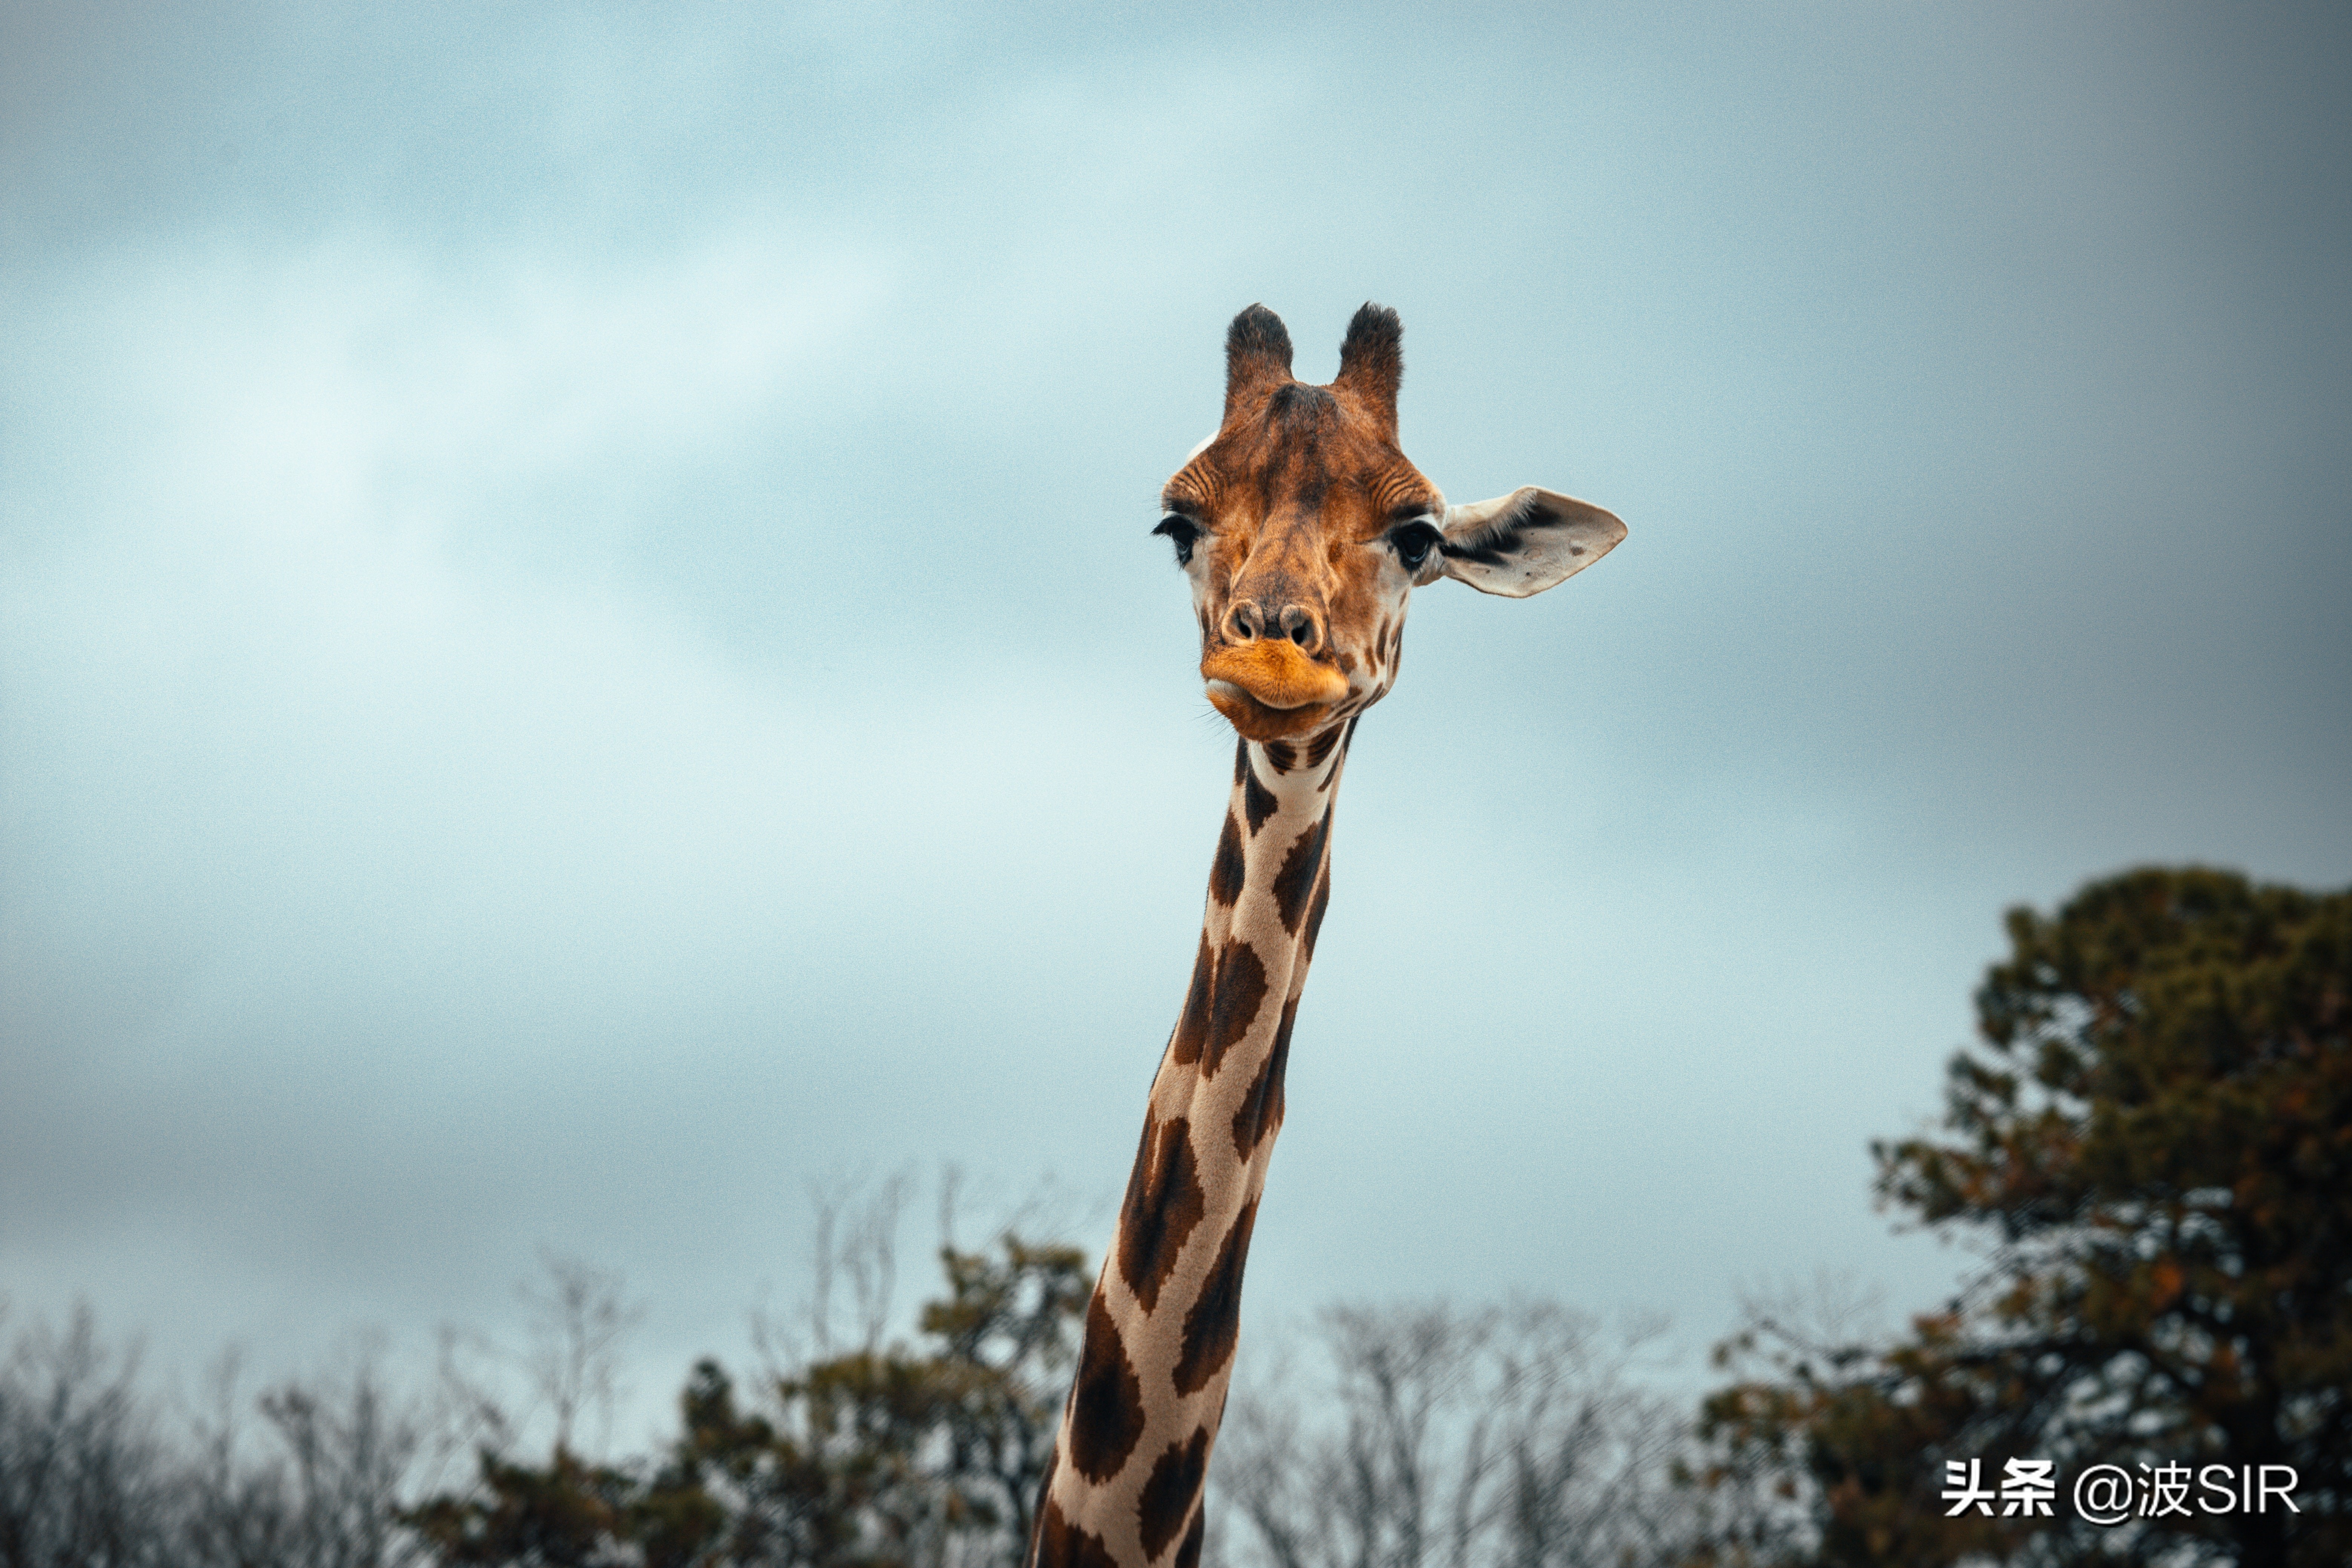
(1525, 542)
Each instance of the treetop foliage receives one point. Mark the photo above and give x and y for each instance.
(2157, 1134)
(2151, 1140)
(881, 1456)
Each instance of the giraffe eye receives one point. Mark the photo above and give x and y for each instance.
(1414, 540)
(1180, 532)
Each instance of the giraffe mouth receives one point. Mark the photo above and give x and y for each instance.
(1267, 689)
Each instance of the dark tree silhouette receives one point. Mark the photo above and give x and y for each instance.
(1466, 1438)
(881, 1456)
(90, 1477)
(2156, 1136)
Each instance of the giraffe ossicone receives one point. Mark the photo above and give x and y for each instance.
(1304, 529)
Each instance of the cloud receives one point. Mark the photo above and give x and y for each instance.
(578, 640)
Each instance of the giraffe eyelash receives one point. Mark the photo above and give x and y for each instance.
(1182, 531)
(1414, 540)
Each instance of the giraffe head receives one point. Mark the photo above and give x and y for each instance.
(1304, 529)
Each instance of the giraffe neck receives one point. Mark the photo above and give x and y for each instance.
(1125, 1484)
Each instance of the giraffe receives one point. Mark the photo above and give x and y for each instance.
(1303, 529)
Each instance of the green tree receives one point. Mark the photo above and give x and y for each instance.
(875, 1459)
(569, 1514)
(2156, 1138)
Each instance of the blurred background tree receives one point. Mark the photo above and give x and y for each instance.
(92, 1477)
(1463, 1436)
(882, 1454)
(2153, 1142)
(2155, 1137)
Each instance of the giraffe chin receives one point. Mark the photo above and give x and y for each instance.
(1257, 721)
(1278, 687)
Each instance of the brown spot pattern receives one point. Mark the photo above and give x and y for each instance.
(1062, 1544)
(1296, 480)
(1165, 1202)
(1045, 1486)
(1215, 1323)
(1188, 1555)
(1169, 1494)
(1258, 801)
(1240, 988)
(1106, 1401)
(1261, 1110)
(1226, 871)
(1297, 877)
(1346, 736)
(1315, 915)
(1192, 1026)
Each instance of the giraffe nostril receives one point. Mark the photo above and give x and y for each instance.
(1298, 625)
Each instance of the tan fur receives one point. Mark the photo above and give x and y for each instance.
(1297, 514)
(1297, 518)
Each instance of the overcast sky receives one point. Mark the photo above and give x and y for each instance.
(579, 645)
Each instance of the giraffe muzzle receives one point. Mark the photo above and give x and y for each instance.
(1266, 687)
